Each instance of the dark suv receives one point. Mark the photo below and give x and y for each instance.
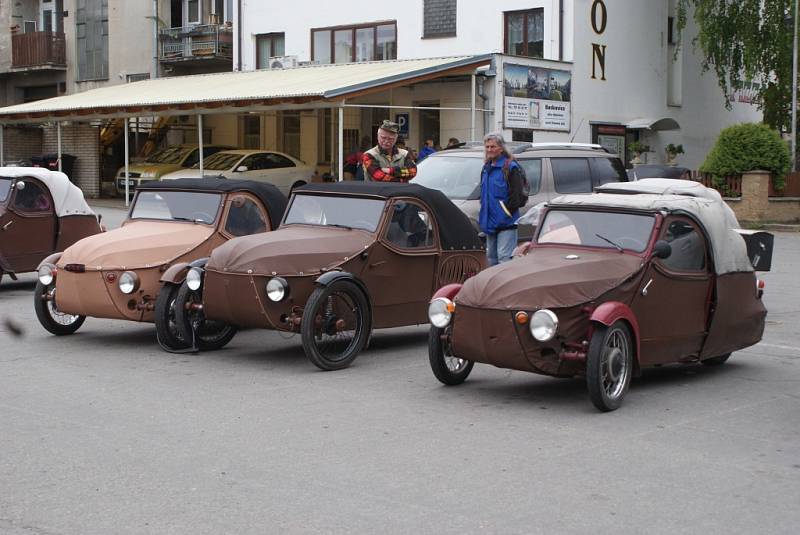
(552, 169)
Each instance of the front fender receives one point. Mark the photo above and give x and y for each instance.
(328, 278)
(611, 311)
(449, 291)
(52, 259)
(176, 273)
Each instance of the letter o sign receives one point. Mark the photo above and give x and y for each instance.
(599, 16)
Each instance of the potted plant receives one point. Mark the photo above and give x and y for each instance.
(672, 152)
(638, 148)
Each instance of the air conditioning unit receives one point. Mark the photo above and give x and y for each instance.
(282, 62)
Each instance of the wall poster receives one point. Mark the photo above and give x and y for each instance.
(537, 98)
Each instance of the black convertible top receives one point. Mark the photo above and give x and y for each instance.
(455, 228)
(273, 199)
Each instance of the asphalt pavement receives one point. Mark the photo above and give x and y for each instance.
(102, 432)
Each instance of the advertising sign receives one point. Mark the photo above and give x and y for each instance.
(536, 98)
(402, 120)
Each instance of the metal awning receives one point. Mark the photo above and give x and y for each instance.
(231, 92)
(665, 123)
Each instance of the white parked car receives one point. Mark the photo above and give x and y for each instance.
(281, 170)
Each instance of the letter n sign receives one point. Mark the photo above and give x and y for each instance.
(599, 19)
(598, 59)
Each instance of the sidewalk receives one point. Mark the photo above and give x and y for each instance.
(117, 203)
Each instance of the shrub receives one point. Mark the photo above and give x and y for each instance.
(748, 147)
(673, 149)
(637, 147)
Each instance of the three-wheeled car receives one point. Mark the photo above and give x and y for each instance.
(348, 257)
(41, 211)
(640, 274)
(134, 272)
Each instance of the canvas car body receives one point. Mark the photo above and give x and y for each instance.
(279, 169)
(41, 211)
(348, 257)
(638, 275)
(121, 273)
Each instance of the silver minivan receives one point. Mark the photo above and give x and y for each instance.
(552, 169)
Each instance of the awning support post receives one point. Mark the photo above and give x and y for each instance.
(200, 140)
(58, 135)
(341, 142)
(127, 166)
(472, 109)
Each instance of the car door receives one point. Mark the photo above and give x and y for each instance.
(29, 226)
(672, 302)
(406, 252)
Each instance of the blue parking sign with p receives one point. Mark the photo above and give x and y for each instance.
(402, 120)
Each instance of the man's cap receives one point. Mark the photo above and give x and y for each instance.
(390, 126)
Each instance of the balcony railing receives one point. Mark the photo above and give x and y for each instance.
(38, 49)
(196, 43)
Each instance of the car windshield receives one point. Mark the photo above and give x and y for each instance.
(221, 161)
(5, 188)
(170, 155)
(334, 211)
(457, 177)
(177, 206)
(610, 230)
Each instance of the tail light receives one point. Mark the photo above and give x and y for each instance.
(760, 287)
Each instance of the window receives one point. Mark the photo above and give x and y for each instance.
(291, 132)
(524, 33)
(32, 199)
(193, 11)
(268, 45)
(91, 30)
(410, 227)
(688, 248)
(244, 217)
(276, 161)
(571, 175)
(439, 18)
(533, 173)
(251, 132)
(347, 44)
(608, 170)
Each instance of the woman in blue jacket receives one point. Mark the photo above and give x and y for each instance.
(502, 195)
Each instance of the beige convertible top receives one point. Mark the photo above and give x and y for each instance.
(67, 197)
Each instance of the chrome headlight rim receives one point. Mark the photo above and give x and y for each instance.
(46, 274)
(543, 325)
(194, 278)
(277, 289)
(128, 282)
(440, 312)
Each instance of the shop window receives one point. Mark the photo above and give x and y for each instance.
(347, 44)
(410, 227)
(269, 45)
(439, 18)
(524, 33)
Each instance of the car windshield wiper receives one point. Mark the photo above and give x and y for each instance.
(339, 225)
(609, 241)
(177, 218)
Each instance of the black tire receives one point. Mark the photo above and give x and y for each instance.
(50, 317)
(336, 325)
(448, 368)
(716, 361)
(166, 326)
(609, 365)
(205, 335)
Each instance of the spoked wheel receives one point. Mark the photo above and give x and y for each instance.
(52, 319)
(166, 324)
(609, 366)
(336, 325)
(205, 335)
(716, 361)
(448, 368)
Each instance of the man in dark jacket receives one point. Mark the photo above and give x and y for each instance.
(502, 195)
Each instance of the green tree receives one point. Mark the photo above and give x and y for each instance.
(747, 40)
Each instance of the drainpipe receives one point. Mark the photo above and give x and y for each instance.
(341, 141)
(127, 167)
(58, 134)
(200, 141)
(472, 108)
(239, 35)
(155, 40)
(560, 30)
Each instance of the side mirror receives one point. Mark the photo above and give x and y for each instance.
(20, 185)
(241, 169)
(662, 249)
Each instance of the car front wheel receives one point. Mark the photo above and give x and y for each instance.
(52, 319)
(203, 334)
(609, 365)
(448, 368)
(336, 325)
(166, 325)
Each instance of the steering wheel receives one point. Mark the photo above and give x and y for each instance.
(626, 242)
(205, 217)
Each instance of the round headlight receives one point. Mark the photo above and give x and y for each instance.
(194, 279)
(277, 288)
(128, 282)
(47, 274)
(440, 312)
(544, 324)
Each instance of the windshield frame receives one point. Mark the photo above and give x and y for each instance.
(140, 192)
(601, 241)
(379, 214)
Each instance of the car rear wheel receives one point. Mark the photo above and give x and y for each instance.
(716, 361)
(336, 325)
(203, 334)
(448, 368)
(52, 319)
(166, 325)
(609, 365)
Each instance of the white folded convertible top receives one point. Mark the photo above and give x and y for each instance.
(67, 197)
